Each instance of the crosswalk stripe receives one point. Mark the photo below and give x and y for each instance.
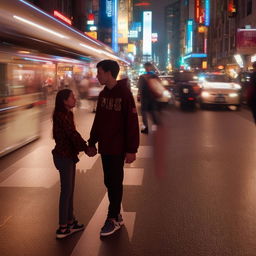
(133, 176)
(33, 176)
(86, 163)
(90, 242)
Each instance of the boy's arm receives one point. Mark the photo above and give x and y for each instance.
(132, 124)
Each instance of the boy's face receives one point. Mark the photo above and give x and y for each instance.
(148, 68)
(102, 76)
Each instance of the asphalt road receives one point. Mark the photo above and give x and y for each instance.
(191, 192)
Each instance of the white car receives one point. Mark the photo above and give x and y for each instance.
(218, 89)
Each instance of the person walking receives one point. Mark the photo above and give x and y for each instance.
(116, 130)
(147, 99)
(251, 92)
(68, 144)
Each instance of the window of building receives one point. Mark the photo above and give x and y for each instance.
(249, 7)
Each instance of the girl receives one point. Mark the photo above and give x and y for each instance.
(68, 144)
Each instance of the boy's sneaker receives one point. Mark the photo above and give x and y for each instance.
(62, 233)
(110, 227)
(120, 219)
(75, 226)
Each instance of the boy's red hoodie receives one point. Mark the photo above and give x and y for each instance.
(115, 127)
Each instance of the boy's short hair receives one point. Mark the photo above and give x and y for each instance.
(109, 65)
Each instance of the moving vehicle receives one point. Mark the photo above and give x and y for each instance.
(187, 94)
(186, 89)
(219, 89)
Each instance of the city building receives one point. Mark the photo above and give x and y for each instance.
(187, 23)
(246, 33)
(232, 35)
(222, 35)
(173, 26)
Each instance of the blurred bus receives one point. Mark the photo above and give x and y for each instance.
(39, 55)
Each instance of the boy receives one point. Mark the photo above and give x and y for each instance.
(116, 130)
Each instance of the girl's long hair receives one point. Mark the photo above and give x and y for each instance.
(59, 102)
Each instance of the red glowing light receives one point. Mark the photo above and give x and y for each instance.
(62, 17)
(91, 16)
(143, 4)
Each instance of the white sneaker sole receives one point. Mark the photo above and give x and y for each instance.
(72, 231)
(111, 232)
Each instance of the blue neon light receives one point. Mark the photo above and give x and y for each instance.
(195, 55)
(207, 13)
(189, 41)
(114, 26)
(109, 8)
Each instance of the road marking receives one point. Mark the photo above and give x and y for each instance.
(145, 152)
(32, 177)
(86, 163)
(90, 242)
(41, 177)
(133, 176)
(5, 221)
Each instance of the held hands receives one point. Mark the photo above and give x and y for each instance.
(91, 151)
(130, 157)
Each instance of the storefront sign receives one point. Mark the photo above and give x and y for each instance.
(246, 41)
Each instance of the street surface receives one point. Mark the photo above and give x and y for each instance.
(191, 192)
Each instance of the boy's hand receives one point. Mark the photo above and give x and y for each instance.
(91, 151)
(130, 157)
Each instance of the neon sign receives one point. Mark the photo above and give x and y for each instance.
(109, 8)
(189, 41)
(207, 13)
(62, 17)
(147, 33)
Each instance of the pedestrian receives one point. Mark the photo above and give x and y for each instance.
(116, 130)
(251, 92)
(68, 144)
(148, 101)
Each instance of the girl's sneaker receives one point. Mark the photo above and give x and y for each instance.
(62, 232)
(75, 226)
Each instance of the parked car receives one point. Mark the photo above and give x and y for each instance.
(219, 89)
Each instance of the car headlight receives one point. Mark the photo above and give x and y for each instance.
(205, 94)
(233, 95)
(167, 94)
(237, 86)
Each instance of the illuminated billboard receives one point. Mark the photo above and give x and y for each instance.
(189, 37)
(123, 22)
(202, 12)
(108, 23)
(246, 41)
(207, 13)
(147, 33)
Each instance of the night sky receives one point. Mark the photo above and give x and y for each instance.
(158, 7)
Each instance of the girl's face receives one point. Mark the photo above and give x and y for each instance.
(70, 102)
